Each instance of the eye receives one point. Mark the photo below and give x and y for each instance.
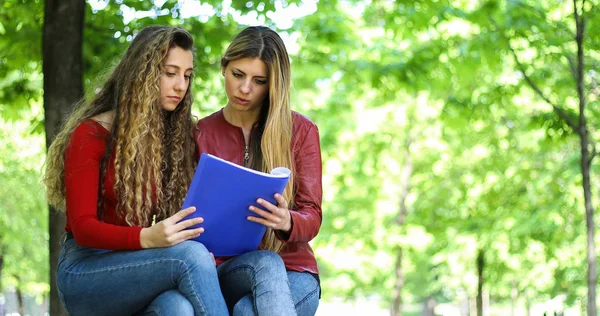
(188, 77)
(236, 74)
(170, 74)
(261, 82)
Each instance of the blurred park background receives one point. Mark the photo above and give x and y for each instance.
(452, 135)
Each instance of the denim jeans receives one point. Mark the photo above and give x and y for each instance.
(171, 302)
(256, 283)
(158, 281)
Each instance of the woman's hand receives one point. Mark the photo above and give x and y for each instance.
(276, 217)
(170, 231)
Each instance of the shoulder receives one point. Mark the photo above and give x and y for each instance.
(89, 133)
(305, 134)
(302, 124)
(214, 120)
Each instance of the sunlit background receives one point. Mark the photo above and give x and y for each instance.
(452, 179)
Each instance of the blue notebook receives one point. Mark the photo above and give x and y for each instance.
(222, 191)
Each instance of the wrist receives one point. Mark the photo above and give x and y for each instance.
(145, 238)
(286, 231)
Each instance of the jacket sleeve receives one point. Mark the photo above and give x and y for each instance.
(306, 213)
(82, 175)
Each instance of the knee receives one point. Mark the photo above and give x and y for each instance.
(169, 303)
(192, 253)
(269, 261)
(180, 305)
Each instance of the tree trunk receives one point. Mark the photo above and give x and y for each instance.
(514, 296)
(403, 210)
(428, 306)
(585, 162)
(21, 305)
(63, 86)
(480, 265)
(398, 285)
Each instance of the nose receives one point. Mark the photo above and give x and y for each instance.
(246, 86)
(180, 84)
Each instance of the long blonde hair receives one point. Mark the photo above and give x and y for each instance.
(272, 136)
(153, 149)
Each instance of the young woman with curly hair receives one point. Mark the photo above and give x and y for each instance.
(122, 159)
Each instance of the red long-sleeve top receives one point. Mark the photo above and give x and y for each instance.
(218, 137)
(86, 148)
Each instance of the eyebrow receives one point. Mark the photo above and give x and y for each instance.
(237, 69)
(175, 66)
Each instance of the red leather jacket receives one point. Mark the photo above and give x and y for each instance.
(218, 137)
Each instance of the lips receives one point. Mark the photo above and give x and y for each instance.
(174, 98)
(241, 101)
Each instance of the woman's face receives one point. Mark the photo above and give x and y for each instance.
(246, 84)
(175, 79)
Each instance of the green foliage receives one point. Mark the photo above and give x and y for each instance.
(23, 209)
(429, 84)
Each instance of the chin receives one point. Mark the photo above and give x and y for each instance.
(170, 107)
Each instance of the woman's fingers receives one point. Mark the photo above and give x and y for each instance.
(267, 205)
(275, 217)
(180, 215)
(188, 223)
(267, 218)
(281, 201)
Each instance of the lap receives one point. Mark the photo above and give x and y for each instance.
(102, 282)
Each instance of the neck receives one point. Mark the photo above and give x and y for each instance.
(105, 119)
(245, 120)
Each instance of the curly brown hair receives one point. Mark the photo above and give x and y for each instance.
(153, 150)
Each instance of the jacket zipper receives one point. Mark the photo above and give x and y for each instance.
(246, 149)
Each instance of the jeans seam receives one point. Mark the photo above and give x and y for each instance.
(186, 275)
(309, 295)
(63, 299)
(242, 266)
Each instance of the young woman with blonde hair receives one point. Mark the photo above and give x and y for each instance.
(121, 160)
(258, 129)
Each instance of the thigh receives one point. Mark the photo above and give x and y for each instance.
(241, 275)
(100, 282)
(305, 292)
(169, 303)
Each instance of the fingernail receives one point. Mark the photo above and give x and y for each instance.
(251, 208)
(259, 201)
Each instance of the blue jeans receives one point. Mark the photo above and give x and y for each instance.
(158, 281)
(256, 283)
(171, 302)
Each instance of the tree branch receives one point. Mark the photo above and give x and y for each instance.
(560, 25)
(572, 67)
(561, 112)
(593, 155)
